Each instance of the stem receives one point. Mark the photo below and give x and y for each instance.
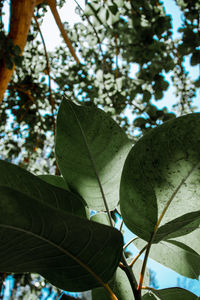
(137, 256)
(148, 288)
(110, 292)
(48, 73)
(116, 57)
(145, 261)
(52, 5)
(132, 280)
(131, 241)
(121, 225)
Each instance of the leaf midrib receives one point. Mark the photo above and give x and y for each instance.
(173, 196)
(93, 164)
(58, 247)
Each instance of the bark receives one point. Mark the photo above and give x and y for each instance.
(21, 13)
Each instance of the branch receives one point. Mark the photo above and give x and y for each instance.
(130, 242)
(48, 73)
(21, 13)
(137, 256)
(116, 57)
(52, 5)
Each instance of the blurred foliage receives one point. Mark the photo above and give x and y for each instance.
(126, 49)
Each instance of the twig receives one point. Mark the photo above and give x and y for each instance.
(48, 73)
(52, 5)
(131, 241)
(116, 57)
(98, 40)
(121, 225)
(137, 256)
(132, 280)
(148, 288)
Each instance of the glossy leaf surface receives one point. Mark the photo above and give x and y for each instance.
(170, 294)
(120, 284)
(176, 256)
(71, 252)
(55, 180)
(101, 218)
(59, 181)
(31, 186)
(192, 239)
(160, 180)
(91, 149)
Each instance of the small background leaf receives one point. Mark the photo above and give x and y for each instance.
(170, 294)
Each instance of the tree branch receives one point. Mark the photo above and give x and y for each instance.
(52, 5)
(21, 12)
(51, 100)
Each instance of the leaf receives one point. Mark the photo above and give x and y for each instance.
(101, 218)
(24, 182)
(170, 294)
(91, 149)
(176, 256)
(120, 284)
(71, 252)
(55, 180)
(159, 190)
(61, 183)
(179, 226)
(191, 239)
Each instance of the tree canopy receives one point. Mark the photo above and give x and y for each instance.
(113, 38)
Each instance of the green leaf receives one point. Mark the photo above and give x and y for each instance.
(170, 294)
(91, 149)
(179, 226)
(120, 284)
(159, 190)
(101, 218)
(55, 180)
(195, 59)
(61, 183)
(23, 181)
(71, 252)
(176, 256)
(113, 8)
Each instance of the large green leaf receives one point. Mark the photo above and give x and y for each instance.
(192, 239)
(176, 256)
(170, 294)
(23, 181)
(71, 252)
(100, 218)
(55, 180)
(61, 183)
(91, 149)
(159, 190)
(120, 284)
